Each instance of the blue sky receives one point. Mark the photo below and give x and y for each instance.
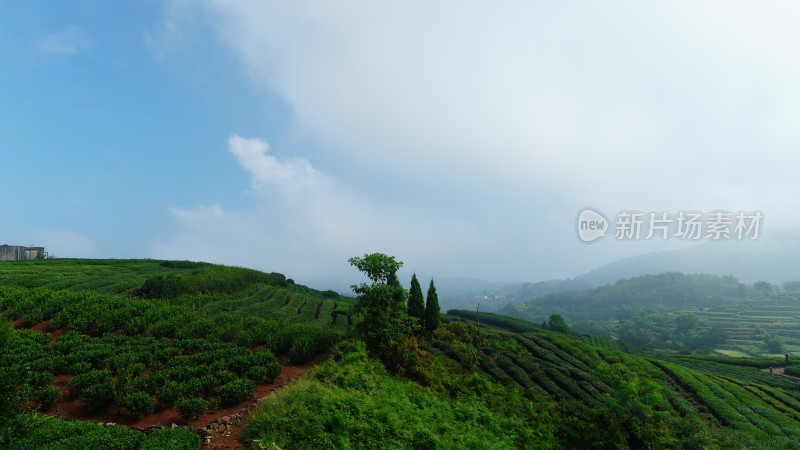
(462, 138)
(114, 133)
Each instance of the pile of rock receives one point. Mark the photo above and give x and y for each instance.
(220, 427)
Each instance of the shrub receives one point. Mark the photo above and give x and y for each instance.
(193, 388)
(302, 350)
(278, 279)
(138, 404)
(181, 264)
(191, 408)
(264, 357)
(164, 286)
(39, 432)
(177, 439)
(266, 373)
(163, 329)
(97, 396)
(239, 364)
(774, 344)
(224, 376)
(80, 367)
(266, 367)
(792, 370)
(168, 393)
(39, 379)
(304, 346)
(46, 397)
(83, 381)
(235, 391)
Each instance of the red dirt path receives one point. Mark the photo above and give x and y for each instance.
(230, 440)
(44, 327)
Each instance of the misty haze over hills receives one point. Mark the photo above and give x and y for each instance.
(768, 261)
(775, 261)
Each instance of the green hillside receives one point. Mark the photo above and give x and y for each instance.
(755, 328)
(206, 287)
(537, 389)
(146, 336)
(130, 339)
(678, 312)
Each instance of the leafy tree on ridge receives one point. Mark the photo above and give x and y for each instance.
(382, 303)
(557, 323)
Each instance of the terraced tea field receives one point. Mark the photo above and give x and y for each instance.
(218, 288)
(722, 392)
(748, 323)
(147, 335)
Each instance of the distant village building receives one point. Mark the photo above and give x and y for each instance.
(21, 252)
(488, 296)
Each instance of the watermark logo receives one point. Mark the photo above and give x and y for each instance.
(684, 225)
(591, 225)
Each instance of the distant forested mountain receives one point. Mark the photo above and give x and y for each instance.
(671, 291)
(775, 259)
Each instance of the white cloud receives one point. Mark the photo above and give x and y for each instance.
(64, 43)
(170, 35)
(530, 95)
(501, 120)
(267, 171)
(308, 230)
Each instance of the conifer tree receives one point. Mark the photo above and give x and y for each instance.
(416, 303)
(432, 309)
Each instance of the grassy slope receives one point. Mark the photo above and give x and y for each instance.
(578, 395)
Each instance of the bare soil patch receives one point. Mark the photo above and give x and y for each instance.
(44, 327)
